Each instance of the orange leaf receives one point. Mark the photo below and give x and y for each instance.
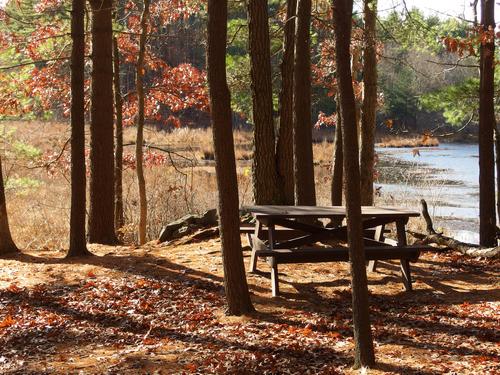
(191, 367)
(335, 335)
(14, 288)
(7, 322)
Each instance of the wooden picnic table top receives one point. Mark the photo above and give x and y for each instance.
(270, 211)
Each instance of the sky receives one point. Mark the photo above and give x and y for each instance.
(441, 8)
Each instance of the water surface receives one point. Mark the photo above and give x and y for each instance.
(447, 177)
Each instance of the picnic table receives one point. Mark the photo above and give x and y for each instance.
(285, 234)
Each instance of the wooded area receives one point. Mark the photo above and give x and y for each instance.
(126, 123)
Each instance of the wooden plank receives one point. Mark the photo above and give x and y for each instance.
(327, 233)
(404, 263)
(257, 245)
(318, 255)
(406, 274)
(379, 236)
(326, 211)
(275, 286)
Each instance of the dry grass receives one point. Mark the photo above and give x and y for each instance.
(397, 141)
(39, 215)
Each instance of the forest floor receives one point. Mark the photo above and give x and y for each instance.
(160, 309)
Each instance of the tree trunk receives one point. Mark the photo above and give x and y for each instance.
(305, 192)
(77, 241)
(102, 195)
(487, 215)
(369, 106)
(338, 161)
(235, 283)
(497, 164)
(7, 245)
(265, 174)
(119, 219)
(342, 11)
(141, 182)
(284, 147)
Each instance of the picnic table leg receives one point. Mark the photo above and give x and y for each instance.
(405, 263)
(255, 246)
(275, 287)
(379, 236)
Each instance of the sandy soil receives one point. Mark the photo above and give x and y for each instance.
(160, 309)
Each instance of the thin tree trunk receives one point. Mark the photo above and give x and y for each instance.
(338, 161)
(235, 283)
(141, 182)
(487, 215)
(102, 196)
(369, 106)
(284, 146)
(497, 164)
(337, 187)
(305, 192)
(77, 241)
(7, 245)
(265, 174)
(119, 219)
(342, 12)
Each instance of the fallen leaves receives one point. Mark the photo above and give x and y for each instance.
(137, 314)
(7, 322)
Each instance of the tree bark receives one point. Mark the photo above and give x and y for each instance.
(7, 244)
(119, 219)
(101, 216)
(141, 182)
(77, 241)
(487, 215)
(284, 146)
(369, 106)
(338, 161)
(342, 17)
(337, 187)
(235, 283)
(497, 165)
(305, 192)
(265, 174)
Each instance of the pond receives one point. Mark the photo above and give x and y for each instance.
(445, 176)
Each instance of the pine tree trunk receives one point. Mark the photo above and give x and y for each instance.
(342, 11)
(102, 196)
(305, 192)
(487, 215)
(119, 219)
(77, 241)
(284, 146)
(369, 106)
(141, 182)
(497, 164)
(338, 161)
(235, 283)
(265, 174)
(7, 245)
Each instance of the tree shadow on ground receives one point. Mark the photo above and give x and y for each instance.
(389, 309)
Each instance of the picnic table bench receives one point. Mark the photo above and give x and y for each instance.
(285, 234)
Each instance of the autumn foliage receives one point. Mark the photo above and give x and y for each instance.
(35, 62)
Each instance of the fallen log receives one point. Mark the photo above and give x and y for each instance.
(433, 237)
